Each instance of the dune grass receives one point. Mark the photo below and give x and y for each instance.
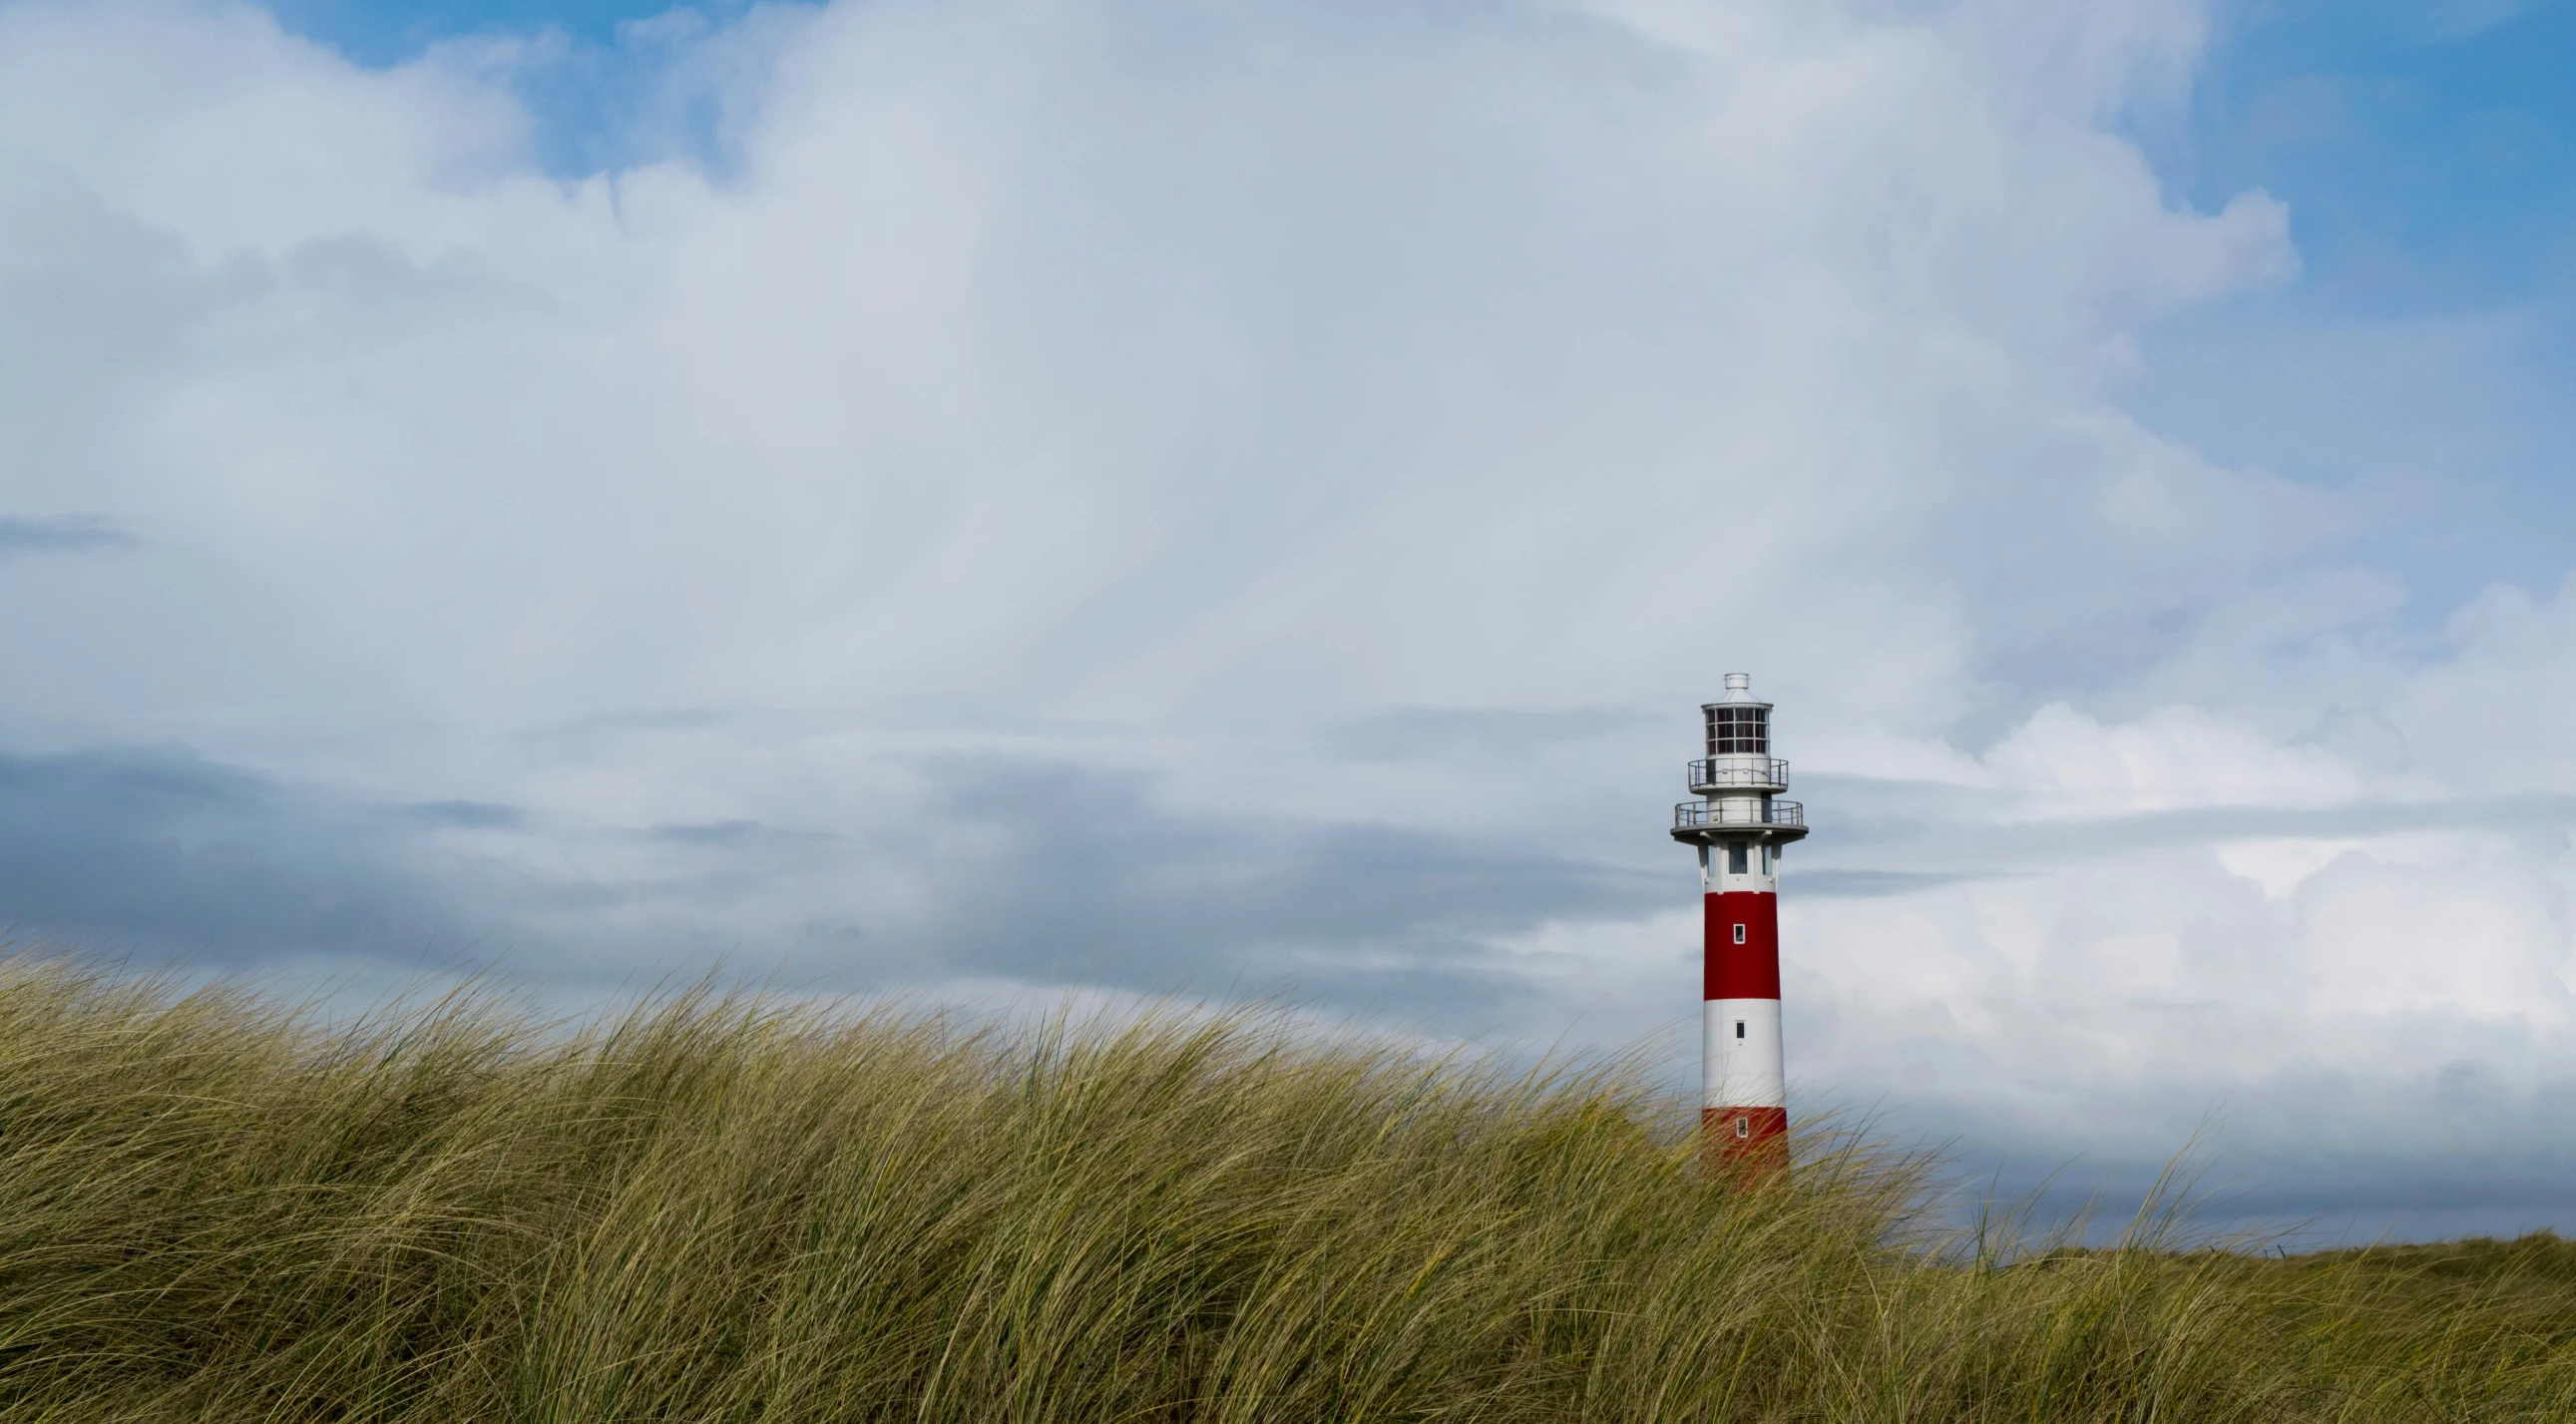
(720, 1208)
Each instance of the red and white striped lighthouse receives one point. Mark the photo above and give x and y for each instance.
(1740, 826)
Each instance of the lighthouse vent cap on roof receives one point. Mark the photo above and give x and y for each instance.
(1739, 693)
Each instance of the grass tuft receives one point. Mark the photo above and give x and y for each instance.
(717, 1207)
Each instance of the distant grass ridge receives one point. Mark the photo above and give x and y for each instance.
(717, 1208)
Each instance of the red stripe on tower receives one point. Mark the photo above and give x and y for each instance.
(1739, 826)
(1742, 937)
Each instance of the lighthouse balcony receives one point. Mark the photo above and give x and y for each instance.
(1740, 773)
(1712, 815)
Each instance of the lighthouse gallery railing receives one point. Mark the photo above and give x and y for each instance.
(1739, 771)
(1691, 815)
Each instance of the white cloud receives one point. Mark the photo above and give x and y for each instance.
(1028, 357)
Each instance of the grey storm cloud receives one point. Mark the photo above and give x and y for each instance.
(2477, 1167)
(1047, 873)
(1960, 833)
(473, 815)
(1081, 879)
(60, 534)
(166, 854)
(1831, 884)
(1405, 733)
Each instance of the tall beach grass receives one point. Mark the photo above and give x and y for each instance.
(718, 1207)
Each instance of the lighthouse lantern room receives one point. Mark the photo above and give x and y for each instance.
(1740, 826)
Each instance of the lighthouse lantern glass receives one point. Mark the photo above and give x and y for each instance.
(1736, 731)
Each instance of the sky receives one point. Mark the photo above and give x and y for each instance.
(1151, 501)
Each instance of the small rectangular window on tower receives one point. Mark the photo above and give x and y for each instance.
(1738, 862)
(1744, 1127)
(1739, 934)
(1739, 1028)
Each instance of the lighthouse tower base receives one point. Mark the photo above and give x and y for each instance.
(1749, 1142)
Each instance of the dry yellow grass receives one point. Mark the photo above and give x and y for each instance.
(716, 1208)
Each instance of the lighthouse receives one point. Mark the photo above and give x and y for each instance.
(1739, 826)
